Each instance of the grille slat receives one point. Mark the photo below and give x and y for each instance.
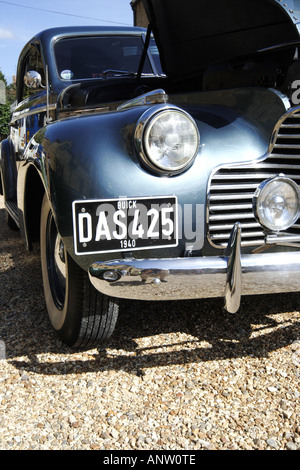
(237, 187)
(258, 176)
(227, 227)
(232, 189)
(230, 197)
(287, 146)
(290, 126)
(222, 236)
(287, 136)
(227, 216)
(229, 207)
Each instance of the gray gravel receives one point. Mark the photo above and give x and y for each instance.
(182, 376)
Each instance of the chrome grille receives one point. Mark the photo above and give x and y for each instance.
(232, 188)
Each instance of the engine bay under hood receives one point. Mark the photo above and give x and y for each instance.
(195, 34)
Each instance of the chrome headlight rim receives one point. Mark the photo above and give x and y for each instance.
(256, 203)
(142, 130)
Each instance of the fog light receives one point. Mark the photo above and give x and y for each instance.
(276, 203)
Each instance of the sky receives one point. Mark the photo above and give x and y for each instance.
(20, 20)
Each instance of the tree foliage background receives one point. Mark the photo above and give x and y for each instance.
(5, 107)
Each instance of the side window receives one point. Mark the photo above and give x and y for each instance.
(33, 62)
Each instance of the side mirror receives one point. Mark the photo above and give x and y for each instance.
(33, 79)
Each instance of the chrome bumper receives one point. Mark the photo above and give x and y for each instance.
(227, 276)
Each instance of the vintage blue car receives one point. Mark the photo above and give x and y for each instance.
(159, 164)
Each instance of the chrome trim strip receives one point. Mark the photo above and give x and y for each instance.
(48, 95)
(29, 112)
(158, 96)
(77, 112)
(230, 276)
(285, 100)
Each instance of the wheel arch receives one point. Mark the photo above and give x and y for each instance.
(30, 196)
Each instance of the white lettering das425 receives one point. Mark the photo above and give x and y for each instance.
(124, 224)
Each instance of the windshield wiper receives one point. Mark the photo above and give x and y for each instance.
(115, 73)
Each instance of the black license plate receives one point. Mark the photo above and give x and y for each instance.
(124, 224)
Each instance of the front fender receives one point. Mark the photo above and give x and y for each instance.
(94, 157)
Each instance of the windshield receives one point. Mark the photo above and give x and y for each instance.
(102, 56)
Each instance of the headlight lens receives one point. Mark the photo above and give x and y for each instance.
(276, 203)
(171, 140)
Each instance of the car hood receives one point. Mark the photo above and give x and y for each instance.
(195, 34)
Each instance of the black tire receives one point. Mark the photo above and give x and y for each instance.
(80, 314)
(10, 222)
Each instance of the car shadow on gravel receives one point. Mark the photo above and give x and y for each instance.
(181, 333)
(148, 334)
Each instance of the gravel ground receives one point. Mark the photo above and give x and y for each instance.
(175, 376)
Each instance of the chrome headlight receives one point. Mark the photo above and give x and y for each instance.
(276, 203)
(168, 140)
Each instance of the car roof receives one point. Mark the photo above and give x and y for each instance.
(53, 33)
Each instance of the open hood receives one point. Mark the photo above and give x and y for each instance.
(194, 34)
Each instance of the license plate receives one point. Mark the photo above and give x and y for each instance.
(124, 224)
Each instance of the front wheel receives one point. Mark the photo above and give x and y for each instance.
(78, 312)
